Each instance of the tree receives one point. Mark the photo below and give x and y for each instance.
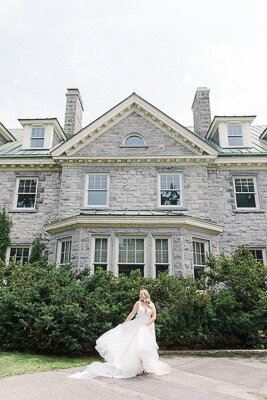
(4, 233)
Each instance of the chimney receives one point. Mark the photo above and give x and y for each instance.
(73, 113)
(201, 111)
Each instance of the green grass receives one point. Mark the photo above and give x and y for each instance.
(20, 363)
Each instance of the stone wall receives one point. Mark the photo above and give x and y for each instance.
(26, 224)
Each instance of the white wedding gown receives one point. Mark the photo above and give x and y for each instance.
(125, 348)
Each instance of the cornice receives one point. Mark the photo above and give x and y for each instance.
(240, 162)
(133, 221)
(135, 104)
(28, 163)
(135, 160)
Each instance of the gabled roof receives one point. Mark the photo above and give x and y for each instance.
(45, 121)
(224, 118)
(259, 146)
(134, 103)
(6, 133)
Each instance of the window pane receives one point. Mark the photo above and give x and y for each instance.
(171, 197)
(26, 201)
(37, 143)
(97, 198)
(246, 200)
(161, 268)
(235, 141)
(126, 269)
(134, 141)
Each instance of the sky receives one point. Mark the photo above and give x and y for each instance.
(161, 49)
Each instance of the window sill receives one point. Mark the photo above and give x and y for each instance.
(94, 208)
(23, 210)
(172, 208)
(135, 146)
(248, 211)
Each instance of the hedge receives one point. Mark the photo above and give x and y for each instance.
(59, 310)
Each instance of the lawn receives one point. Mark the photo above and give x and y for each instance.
(20, 363)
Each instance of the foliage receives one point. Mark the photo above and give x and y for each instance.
(4, 233)
(38, 250)
(50, 309)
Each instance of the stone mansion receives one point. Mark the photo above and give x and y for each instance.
(135, 188)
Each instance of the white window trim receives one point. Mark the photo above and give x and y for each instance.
(8, 250)
(154, 237)
(242, 134)
(59, 246)
(223, 134)
(37, 126)
(16, 193)
(134, 145)
(263, 249)
(257, 208)
(206, 249)
(181, 205)
(116, 272)
(92, 255)
(86, 190)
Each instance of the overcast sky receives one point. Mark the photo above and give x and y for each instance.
(161, 49)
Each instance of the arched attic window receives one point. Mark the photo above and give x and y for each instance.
(134, 140)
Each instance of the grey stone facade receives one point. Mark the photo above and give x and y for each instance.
(208, 213)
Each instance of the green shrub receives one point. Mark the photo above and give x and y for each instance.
(50, 309)
(4, 233)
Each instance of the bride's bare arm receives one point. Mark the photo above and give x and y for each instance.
(153, 315)
(132, 313)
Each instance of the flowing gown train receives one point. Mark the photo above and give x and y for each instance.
(127, 350)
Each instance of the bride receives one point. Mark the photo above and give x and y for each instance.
(130, 348)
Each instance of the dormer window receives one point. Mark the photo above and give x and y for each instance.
(37, 137)
(235, 136)
(134, 140)
(231, 132)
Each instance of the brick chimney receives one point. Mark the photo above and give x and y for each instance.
(201, 111)
(73, 113)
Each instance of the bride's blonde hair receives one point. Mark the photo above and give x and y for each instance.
(147, 298)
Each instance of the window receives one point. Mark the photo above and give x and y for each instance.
(258, 254)
(97, 190)
(37, 137)
(101, 253)
(245, 192)
(19, 254)
(26, 193)
(235, 136)
(161, 255)
(131, 255)
(170, 190)
(199, 249)
(134, 141)
(64, 250)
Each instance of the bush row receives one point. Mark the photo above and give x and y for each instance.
(50, 309)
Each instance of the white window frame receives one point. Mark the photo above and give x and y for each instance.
(206, 249)
(92, 258)
(154, 237)
(263, 249)
(59, 247)
(17, 194)
(117, 251)
(181, 205)
(229, 125)
(255, 191)
(43, 137)
(8, 251)
(86, 190)
(134, 145)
